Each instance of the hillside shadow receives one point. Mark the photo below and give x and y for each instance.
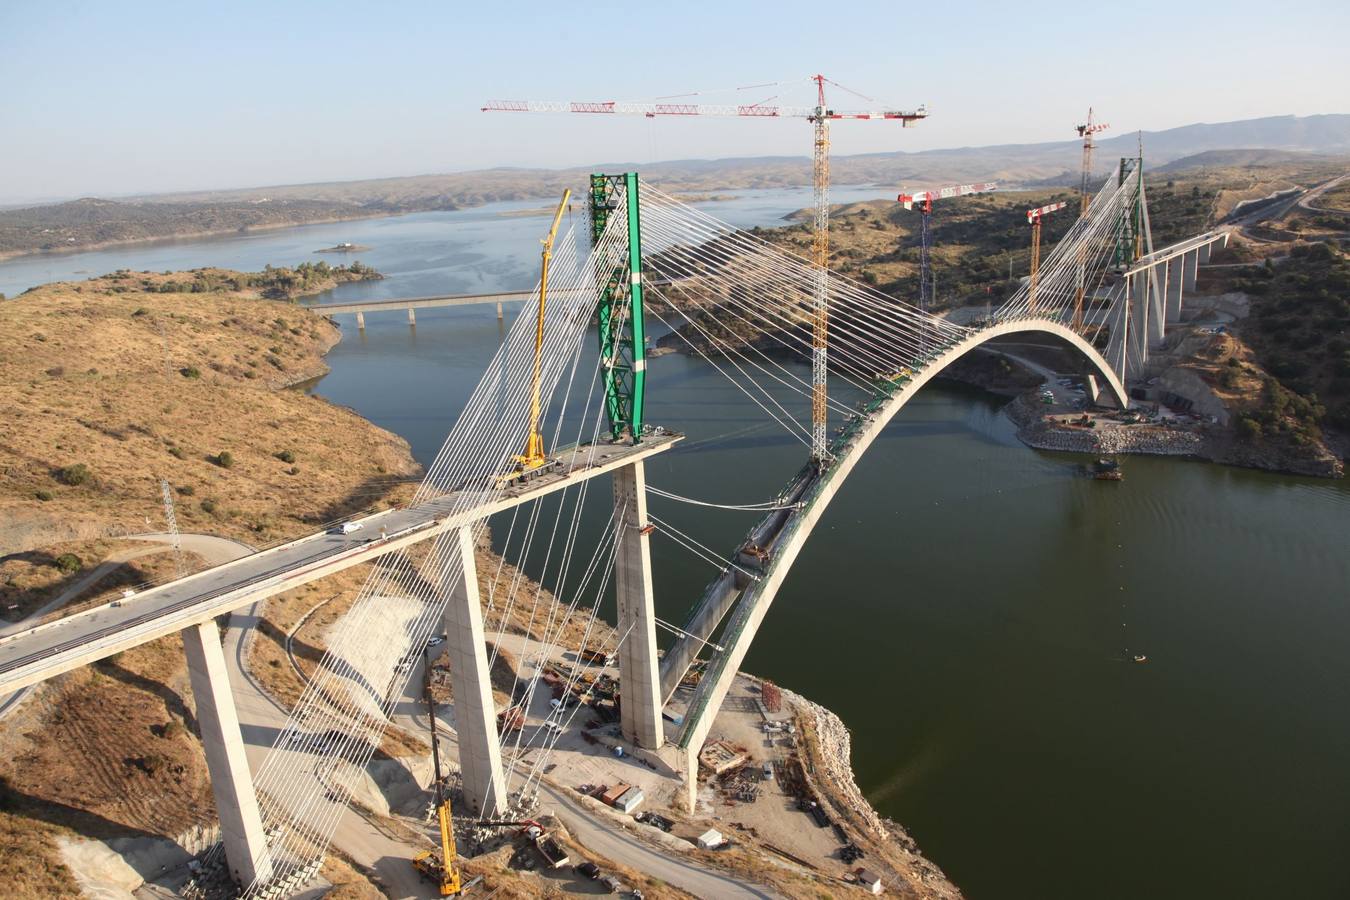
(173, 702)
(83, 822)
(360, 498)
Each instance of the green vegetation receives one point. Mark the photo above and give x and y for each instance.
(74, 475)
(274, 282)
(1299, 330)
(285, 456)
(190, 372)
(68, 563)
(224, 459)
(43, 495)
(208, 506)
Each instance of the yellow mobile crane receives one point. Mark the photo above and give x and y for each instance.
(534, 461)
(441, 870)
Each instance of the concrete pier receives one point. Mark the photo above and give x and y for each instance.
(480, 758)
(639, 683)
(241, 828)
(412, 316)
(1190, 264)
(1155, 306)
(1172, 288)
(360, 320)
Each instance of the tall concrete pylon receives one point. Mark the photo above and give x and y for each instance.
(480, 755)
(639, 681)
(241, 827)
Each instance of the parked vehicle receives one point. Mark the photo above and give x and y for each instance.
(588, 869)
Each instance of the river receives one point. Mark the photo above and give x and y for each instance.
(964, 604)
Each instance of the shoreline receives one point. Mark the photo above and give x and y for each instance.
(7, 255)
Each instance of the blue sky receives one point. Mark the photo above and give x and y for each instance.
(108, 98)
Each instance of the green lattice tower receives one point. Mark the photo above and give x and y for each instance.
(619, 309)
(1131, 226)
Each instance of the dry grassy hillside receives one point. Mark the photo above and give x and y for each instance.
(111, 386)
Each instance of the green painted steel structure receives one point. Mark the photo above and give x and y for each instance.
(619, 311)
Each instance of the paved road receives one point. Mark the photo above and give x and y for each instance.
(40, 653)
(213, 549)
(1305, 201)
(595, 832)
(620, 846)
(260, 718)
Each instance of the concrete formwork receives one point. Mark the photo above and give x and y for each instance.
(241, 827)
(480, 757)
(639, 683)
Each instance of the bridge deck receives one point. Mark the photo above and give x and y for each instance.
(48, 650)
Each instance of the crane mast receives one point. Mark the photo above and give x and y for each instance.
(1085, 131)
(820, 245)
(819, 116)
(1034, 217)
(927, 286)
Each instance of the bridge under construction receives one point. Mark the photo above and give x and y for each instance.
(644, 262)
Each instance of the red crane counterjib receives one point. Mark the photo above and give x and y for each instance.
(1034, 215)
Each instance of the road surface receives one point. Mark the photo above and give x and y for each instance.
(47, 650)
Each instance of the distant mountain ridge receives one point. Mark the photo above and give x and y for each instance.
(93, 222)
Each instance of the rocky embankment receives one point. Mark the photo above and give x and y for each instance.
(1212, 443)
(829, 748)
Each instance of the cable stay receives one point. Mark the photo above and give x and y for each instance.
(662, 623)
(767, 506)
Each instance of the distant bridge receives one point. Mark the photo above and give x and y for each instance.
(411, 304)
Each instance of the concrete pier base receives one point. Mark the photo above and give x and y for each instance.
(691, 779)
(241, 828)
(1190, 263)
(639, 682)
(412, 316)
(499, 310)
(480, 758)
(361, 320)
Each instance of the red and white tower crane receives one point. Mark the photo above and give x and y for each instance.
(819, 116)
(927, 285)
(1034, 217)
(1086, 131)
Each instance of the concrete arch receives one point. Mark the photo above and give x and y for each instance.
(758, 597)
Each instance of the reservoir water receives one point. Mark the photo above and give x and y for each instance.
(964, 604)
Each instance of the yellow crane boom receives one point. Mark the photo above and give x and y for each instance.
(443, 872)
(534, 455)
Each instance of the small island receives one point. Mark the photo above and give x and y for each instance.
(344, 247)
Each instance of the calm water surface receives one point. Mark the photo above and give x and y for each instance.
(965, 601)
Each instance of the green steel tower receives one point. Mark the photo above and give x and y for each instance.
(619, 311)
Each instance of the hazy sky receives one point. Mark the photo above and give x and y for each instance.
(108, 98)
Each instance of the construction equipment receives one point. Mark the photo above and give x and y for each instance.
(927, 285)
(441, 869)
(1086, 131)
(819, 116)
(534, 461)
(1034, 217)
